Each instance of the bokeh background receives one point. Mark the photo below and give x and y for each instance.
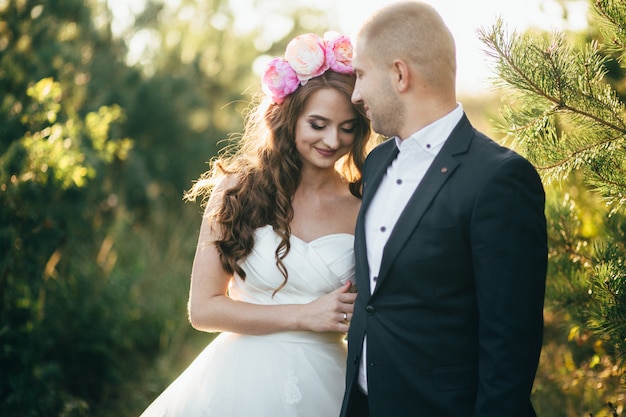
(109, 109)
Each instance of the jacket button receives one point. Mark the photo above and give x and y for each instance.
(370, 309)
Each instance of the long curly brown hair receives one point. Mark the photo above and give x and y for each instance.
(266, 168)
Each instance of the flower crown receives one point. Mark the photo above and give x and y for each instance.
(307, 56)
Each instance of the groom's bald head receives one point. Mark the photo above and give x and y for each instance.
(415, 33)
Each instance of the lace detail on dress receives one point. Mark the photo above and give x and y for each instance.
(292, 392)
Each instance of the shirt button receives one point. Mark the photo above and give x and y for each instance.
(374, 279)
(399, 181)
(383, 229)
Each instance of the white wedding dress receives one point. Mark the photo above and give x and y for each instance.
(290, 374)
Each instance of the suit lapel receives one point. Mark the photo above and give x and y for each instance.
(444, 164)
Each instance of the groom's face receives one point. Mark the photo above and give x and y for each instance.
(374, 89)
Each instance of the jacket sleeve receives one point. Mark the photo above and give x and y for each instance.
(509, 252)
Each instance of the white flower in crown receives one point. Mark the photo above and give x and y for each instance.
(307, 56)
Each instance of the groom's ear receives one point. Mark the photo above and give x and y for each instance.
(402, 75)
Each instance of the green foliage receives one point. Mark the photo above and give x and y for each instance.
(96, 243)
(565, 112)
(51, 151)
(565, 116)
(579, 366)
(64, 347)
(608, 280)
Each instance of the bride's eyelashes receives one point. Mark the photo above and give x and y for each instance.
(316, 126)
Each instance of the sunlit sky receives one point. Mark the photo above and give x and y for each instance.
(464, 17)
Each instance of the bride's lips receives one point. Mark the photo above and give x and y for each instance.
(327, 153)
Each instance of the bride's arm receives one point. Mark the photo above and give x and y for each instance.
(212, 310)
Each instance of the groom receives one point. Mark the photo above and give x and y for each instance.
(450, 246)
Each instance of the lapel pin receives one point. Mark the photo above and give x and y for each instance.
(444, 170)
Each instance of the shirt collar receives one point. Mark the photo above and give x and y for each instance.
(432, 137)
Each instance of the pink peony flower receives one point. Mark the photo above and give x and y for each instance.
(279, 80)
(307, 56)
(338, 52)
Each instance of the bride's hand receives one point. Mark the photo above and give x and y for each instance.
(331, 312)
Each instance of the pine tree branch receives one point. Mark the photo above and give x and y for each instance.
(613, 15)
(575, 154)
(496, 41)
(503, 55)
(549, 74)
(606, 181)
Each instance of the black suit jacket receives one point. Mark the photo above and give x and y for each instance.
(454, 325)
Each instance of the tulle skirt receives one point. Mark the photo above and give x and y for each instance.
(295, 374)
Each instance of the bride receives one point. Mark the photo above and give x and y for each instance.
(275, 261)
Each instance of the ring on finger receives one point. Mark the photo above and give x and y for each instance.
(345, 316)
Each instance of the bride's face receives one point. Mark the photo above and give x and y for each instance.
(325, 130)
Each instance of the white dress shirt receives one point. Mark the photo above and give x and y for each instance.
(416, 154)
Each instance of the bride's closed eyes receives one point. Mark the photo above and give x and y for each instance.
(347, 128)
